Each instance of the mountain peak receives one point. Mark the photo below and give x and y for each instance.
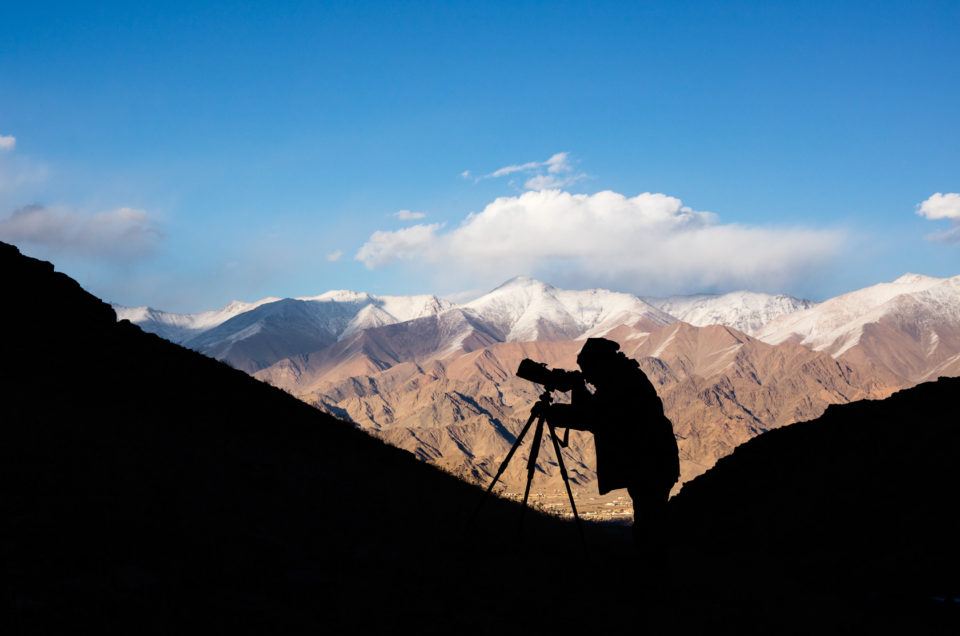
(339, 296)
(522, 282)
(743, 310)
(526, 309)
(911, 279)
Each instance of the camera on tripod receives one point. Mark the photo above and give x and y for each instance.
(551, 379)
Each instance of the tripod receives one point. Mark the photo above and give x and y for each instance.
(538, 413)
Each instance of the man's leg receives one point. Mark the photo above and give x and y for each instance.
(651, 537)
(649, 521)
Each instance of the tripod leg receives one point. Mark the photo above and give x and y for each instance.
(566, 482)
(503, 464)
(516, 445)
(532, 464)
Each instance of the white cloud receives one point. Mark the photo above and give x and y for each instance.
(121, 234)
(407, 215)
(558, 163)
(645, 243)
(525, 167)
(384, 248)
(465, 174)
(7, 142)
(941, 206)
(559, 173)
(333, 257)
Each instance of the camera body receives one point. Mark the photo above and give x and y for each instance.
(551, 379)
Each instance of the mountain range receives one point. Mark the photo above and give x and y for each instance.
(522, 309)
(437, 378)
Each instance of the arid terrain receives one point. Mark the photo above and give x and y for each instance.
(439, 379)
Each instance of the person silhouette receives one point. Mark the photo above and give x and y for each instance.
(635, 445)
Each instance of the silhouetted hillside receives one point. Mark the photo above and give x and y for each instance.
(859, 504)
(149, 489)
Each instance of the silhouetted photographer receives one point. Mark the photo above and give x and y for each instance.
(636, 448)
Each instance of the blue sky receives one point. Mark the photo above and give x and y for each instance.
(184, 156)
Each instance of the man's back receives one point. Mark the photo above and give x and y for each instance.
(635, 441)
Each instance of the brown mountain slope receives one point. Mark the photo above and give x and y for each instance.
(906, 345)
(462, 411)
(904, 332)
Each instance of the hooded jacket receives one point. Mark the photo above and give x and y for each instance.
(634, 439)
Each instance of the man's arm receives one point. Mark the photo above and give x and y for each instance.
(575, 416)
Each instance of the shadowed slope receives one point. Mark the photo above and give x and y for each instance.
(145, 486)
(859, 503)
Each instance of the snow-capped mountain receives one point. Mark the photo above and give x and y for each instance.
(910, 327)
(182, 327)
(836, 324)
(525, 310)
(916, 313)
(341, 312)
(251, 336)
(376, 311)
(522, 309)
(745, 311)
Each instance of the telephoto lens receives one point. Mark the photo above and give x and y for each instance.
(551, 379)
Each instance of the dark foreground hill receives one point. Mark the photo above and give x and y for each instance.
(855, 508)
(148, 489)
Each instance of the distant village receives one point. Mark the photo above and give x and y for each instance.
(611, 507)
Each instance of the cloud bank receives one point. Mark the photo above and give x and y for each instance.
(943, 206)
(645, 243)
(123, 234)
